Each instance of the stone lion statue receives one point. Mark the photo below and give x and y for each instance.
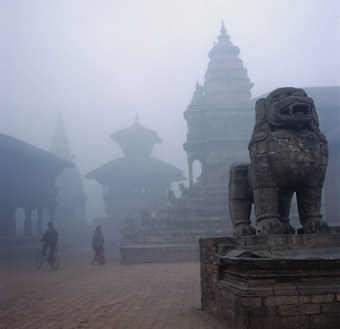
(289, 154)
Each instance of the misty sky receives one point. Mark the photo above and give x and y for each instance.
(101, 62)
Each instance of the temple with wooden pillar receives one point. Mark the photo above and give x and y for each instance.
(27, 181)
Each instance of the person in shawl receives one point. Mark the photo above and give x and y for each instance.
(98, 246)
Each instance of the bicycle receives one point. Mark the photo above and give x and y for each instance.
(40, 258)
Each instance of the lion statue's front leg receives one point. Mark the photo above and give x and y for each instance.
(272, 206)
(309, 204)
(268, 219)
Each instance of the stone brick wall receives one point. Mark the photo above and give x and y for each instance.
(247, 290)
(211, 274)
(159, 254)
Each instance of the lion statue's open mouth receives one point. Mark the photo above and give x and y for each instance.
(288, 108)
(298, 109)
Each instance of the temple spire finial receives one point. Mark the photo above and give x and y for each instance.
(59, 141)
(136, 121)
(223, 29)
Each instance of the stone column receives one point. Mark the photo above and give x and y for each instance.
(191, 179)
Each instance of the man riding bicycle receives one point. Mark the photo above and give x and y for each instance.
(50, 239)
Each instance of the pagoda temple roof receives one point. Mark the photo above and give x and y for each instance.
(28, 172)
(15, 146)
(136, 139)
(143, 169)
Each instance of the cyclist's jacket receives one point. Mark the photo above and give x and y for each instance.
(50, 237)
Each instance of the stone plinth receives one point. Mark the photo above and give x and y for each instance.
(281, 282)
(168, 240)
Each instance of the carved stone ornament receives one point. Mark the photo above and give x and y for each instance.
(288, 154)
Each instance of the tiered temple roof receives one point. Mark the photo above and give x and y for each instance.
(136, 181)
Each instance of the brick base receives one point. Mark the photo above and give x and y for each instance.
(271, 282)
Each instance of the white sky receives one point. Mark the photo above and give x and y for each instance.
(101, 62)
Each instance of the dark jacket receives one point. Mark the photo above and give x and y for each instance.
(50, 237)
(97, 239)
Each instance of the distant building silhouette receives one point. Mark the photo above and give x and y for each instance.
(27, 181)
(71, 199)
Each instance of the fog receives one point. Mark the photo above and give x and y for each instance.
(99, 63)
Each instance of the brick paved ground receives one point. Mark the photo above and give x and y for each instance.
(79, 295)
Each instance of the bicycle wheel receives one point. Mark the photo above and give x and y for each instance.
(55, 263)
(39, 259)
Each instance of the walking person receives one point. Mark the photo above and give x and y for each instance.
(98, 246)
(50, 240)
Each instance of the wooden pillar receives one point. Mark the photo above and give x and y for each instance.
(28, 222)
(51, 214)
(13, 222)
(39, 222)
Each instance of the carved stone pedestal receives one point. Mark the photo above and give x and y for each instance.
(281, 282)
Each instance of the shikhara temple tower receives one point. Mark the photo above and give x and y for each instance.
(220, 119)
(219, 116)
(136, 181)
(71, 197)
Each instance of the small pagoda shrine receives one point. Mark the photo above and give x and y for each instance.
(136, 182)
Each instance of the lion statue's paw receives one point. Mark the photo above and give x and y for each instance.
(314, 227)
(244, 229)
(270, 226)
(289, 229)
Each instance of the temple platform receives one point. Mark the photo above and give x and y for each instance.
(166, 253)
(169, 240)
(283, 281)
